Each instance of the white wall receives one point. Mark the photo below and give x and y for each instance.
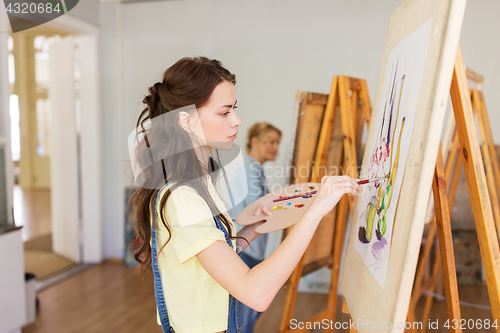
(274, 47)
(12, 287)
(480, 43)
(112, 118)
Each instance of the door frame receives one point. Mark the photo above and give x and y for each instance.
(4, 112)
(91, 231)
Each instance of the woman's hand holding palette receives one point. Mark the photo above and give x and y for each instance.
(287, 205)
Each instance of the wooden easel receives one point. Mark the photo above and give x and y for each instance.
(346, 93)
(490, 160)
(480, 200)
(453, 163)
(488, 151)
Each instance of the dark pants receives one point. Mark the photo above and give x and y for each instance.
(250, 315)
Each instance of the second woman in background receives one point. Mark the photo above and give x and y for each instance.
(262, 144)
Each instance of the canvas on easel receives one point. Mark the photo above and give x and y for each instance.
(389, 150)
(392, 212)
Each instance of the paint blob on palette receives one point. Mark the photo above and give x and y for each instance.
(287, 206)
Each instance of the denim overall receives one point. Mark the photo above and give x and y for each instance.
(235, 311)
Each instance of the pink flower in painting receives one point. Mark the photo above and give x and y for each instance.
(379, 160)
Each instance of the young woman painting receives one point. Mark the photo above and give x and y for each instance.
(188, 237)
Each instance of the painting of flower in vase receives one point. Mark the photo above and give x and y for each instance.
(389, 151)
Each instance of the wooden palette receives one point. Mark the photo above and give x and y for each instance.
(288, 204)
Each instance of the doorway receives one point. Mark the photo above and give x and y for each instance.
(79, 236)
(32, 109)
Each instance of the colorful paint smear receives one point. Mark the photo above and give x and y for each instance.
(307, 194)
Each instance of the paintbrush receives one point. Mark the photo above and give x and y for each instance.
(366, 181)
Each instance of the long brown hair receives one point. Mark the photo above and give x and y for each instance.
(190, 81)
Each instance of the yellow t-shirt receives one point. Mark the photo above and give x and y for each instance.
(196, 303)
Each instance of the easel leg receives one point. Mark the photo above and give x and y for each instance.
(339, 235)
(348, 103)
(417, 288)
(452, 174)
(474, 170)
(351, 329)
(421, 268)
(348, 107)
(350, 156)
(291, 297)
(490, 141)
(319, 160)
(432, 287)
(456, 176)
(487, 157)
(445, 241)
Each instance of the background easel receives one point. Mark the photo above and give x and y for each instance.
(490, 160)
(488, 151)
(350, 96)
(420, 286)
(480, 200)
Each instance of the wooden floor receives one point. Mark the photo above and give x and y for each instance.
(105, 298)
(32, 211)
(111, 298)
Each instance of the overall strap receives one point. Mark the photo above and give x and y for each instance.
(160, 299)
(221, 227)
(235, 310)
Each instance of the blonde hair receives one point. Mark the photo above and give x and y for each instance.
(258, 130)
